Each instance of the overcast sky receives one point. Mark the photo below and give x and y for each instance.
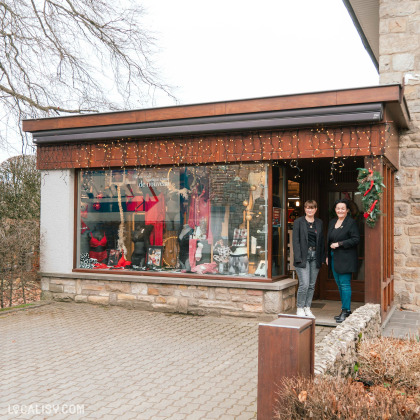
(232, 49)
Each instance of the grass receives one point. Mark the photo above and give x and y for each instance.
(16, 307)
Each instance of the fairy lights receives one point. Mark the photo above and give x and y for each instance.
(337, 143)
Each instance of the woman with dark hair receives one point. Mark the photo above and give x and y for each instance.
(343, 238)
(308, 255)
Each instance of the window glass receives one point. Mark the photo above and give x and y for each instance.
(278, 249)
(201, 219)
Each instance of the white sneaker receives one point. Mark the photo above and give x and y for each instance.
(308, 312)
(300, 312)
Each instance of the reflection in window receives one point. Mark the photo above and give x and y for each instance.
(202, 220)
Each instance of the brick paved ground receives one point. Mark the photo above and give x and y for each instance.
(126, 364)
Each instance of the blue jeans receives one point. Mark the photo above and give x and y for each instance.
(343, 281)
(307, 279)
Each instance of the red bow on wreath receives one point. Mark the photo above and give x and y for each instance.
(366, 214)
(371, 184)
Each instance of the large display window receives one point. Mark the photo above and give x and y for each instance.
(204, 220)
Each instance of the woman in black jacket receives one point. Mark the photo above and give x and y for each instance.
(343, 237)
(308, 255)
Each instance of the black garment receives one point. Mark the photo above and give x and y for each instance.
(311, 234)
(140, 237)
(347, 235)
(301, 245)
(184, 246)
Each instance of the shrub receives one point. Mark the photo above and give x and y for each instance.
(390, 361)
(334, 398)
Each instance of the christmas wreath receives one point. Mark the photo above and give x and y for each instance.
(371, 187)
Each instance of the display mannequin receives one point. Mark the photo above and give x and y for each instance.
(141, 240)
(172, 213)
(184, 244)
(97, 245)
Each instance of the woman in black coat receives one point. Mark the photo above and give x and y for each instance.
(308, 255)
(342, 239)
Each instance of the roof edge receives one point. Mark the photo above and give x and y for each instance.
(369, 94)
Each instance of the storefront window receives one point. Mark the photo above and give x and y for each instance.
(208, 220)
(279, 220)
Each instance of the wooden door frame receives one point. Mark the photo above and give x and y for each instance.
(379, 244)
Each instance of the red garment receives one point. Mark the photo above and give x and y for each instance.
(95, 243)
(135, 203)
(99, 256)
(192, 216)
(100, 266)
(155, 215)
(192, 248)
(209, 268)
(122, 262)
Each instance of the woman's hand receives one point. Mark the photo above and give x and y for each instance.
(326, 261)
(334, 245)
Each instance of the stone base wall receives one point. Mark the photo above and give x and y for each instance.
(336, 354)
(399, 48)
(256, 300)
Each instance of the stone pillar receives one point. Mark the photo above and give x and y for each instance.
(399, 49)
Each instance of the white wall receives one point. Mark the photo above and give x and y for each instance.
(57, 221)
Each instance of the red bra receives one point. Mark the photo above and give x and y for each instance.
(95, 243)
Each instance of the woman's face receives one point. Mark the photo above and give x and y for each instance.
(341, 210)
(310, 211)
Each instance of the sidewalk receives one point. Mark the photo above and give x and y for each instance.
(402, 323)
(125, 364)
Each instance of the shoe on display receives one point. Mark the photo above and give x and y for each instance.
(308, 312)
(300, 312)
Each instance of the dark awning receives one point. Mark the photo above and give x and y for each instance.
(342, 115)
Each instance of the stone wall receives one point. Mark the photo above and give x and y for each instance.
(399, 44)
(336, 353)
(195, 297)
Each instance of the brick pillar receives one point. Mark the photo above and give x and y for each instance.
(399, 49)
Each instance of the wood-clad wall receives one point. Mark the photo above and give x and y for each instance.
(246, 147)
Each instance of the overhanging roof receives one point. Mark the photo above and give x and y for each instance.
(339, 107)
(365, 16)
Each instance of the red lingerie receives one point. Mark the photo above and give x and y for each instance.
(95, 243)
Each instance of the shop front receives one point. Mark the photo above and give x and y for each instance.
(189, 209)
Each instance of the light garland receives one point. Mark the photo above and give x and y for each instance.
(338, 143)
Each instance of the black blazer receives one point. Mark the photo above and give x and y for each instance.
(300, 243)
(345, 256)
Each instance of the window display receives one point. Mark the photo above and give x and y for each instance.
(202, 219)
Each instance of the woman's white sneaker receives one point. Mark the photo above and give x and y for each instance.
(308, 312)
(300, 312)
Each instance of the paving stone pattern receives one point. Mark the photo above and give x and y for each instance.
(403, 324)
(128, 364)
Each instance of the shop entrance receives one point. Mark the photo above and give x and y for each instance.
(325, 182)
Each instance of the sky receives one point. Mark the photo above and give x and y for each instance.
(235, 49)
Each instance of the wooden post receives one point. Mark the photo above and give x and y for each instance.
(285, 349)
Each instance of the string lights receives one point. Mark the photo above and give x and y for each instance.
(337, 143)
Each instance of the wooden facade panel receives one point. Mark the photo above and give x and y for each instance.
(300, 101)
(392, 93)
(258, 146)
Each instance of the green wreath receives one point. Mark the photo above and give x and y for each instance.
(371, 187)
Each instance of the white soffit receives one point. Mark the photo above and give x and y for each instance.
(365, 15)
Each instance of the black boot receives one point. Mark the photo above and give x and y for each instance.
(344, 314)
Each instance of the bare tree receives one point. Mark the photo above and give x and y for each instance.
(73, 56)
(20, 189)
